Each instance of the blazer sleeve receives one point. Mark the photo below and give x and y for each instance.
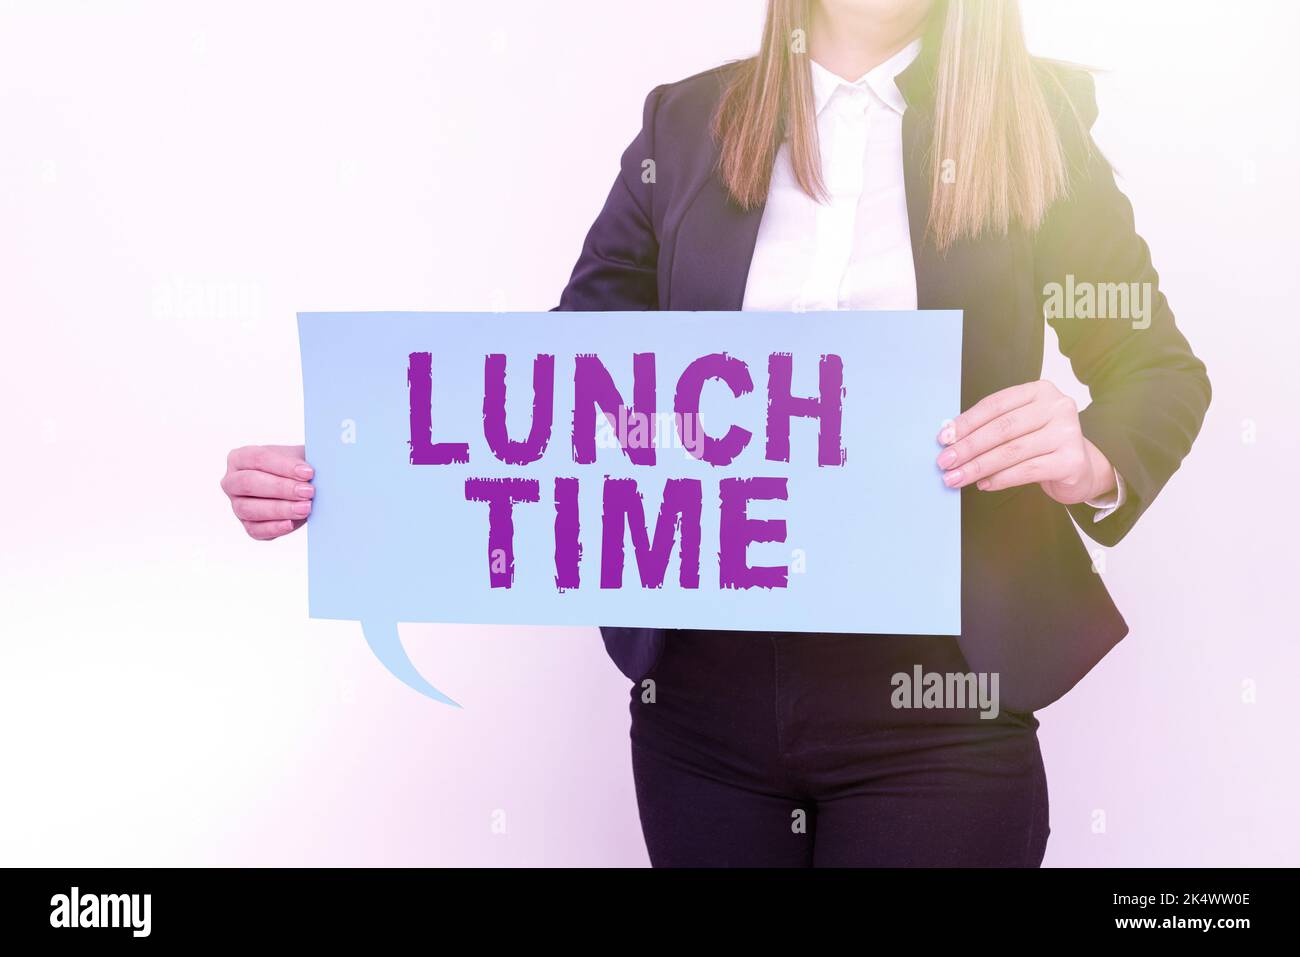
(1149, 392)
(617, 269)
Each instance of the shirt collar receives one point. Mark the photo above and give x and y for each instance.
(880, 79)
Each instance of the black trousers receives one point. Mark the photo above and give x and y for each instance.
(786, 750)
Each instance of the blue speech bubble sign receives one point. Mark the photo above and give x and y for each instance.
(866, 540)
(386, 644)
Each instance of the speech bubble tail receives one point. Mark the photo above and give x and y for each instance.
(386, 643)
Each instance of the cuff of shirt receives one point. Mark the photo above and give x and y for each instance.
(1108, 504)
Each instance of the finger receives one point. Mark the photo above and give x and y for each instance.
(283, 460)
(989, 408)
(1043, 468)
(1001, 458)
(268, 509)
(265, 531)
(1012, 425)
(263, 485)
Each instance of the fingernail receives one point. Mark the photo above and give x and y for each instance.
(947, 458)
(304, 491)
(304, 471)
(983, 485)
(952, 478)
(301, 509)
(947, 435)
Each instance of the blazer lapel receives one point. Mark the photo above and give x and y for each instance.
(710, 259)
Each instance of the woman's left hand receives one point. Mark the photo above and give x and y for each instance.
(1023, 435)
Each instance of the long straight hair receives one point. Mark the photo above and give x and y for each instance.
(995, 157)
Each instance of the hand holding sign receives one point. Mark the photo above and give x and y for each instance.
(269, 488)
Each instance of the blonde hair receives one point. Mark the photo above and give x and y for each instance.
(998, 151)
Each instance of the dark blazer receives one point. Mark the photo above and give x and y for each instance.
(1032, 608)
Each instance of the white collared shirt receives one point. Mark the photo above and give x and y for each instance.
(853, 251)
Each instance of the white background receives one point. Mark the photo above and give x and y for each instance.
(178, 179)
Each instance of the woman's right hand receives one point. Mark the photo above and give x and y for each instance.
(269, 487)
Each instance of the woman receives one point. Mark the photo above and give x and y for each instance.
(887, 154)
